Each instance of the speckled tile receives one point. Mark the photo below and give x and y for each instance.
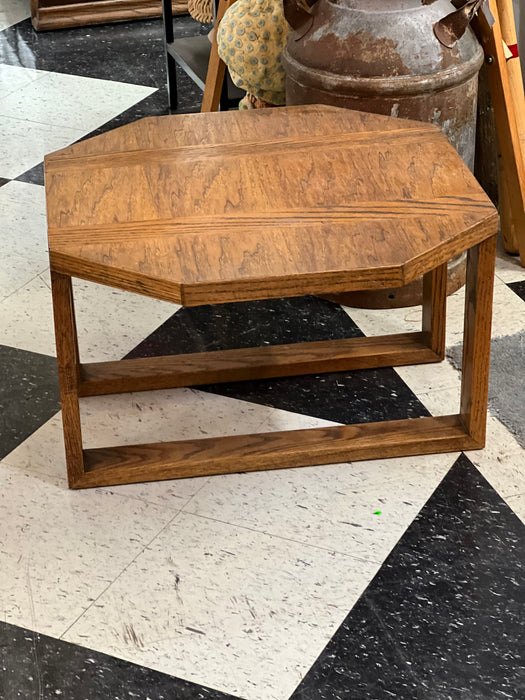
(444, 616)
(226, 607)
(508, 313)
(508, 316)
(24, 144)
(24, 235)
(33, 176)
(28, 395)
(508, 267)
(333, 506)
(108, 52)
(518, 288)
(502, 460)
(144, 417)
(13, 78)
(344, 397)
(60, 549)
(517, 504)
(423, 379)
(73, 101)
(35, 665)
(13, 11)
(110, 322)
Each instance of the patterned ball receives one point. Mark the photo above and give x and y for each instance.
(251, 37)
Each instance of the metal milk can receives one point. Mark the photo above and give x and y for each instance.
(383, 56)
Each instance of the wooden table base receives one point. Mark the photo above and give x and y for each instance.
(170, 460)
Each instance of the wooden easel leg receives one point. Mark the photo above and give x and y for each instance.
(68, 373)
(508, 229)
(476, 338)
(216, 75)
(435, 309)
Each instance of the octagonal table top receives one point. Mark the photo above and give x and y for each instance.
(231, 206)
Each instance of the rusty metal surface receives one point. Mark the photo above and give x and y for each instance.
(383, 56)
(452, 27)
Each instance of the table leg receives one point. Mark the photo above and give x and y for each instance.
(435, 309)
(68, 373)
(476, 338)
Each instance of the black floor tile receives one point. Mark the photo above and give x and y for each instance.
(4, 180)
(28, 395)
(35, 666)
(443, 618)
(129, 52)
(343, 397)
(35, 176)
(519, 288)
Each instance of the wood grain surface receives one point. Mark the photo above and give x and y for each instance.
(266, 203)
(292, 448)
(59, 14)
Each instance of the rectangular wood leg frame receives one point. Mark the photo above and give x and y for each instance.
(170, 460)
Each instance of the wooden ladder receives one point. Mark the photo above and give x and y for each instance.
(216, 67)
(506, 86)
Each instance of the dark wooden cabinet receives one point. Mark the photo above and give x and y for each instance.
(58, 14)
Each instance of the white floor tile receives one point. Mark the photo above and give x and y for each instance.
(331, 506)
(517, 503)
(226, 607)
(508, 318)
(71, 100)
(110, 322)
(508, 268)
(142, 418)
(423, 379)
(24, 144)
(441, 402)
(13, 11)
(60, 549)
(508, 313)
(386, 321)
(13, 78)
(23, 242)
(502, 462)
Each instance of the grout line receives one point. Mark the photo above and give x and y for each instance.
(286, 539)
(37, 276)
(144, 548)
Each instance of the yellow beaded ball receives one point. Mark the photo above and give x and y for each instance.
(251, 37)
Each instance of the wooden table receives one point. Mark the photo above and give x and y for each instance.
(224, 207)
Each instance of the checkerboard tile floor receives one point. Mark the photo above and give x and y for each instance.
(392, 578)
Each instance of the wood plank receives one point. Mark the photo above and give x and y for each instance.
(145, 374)
(476, 338)
(511, 236)
(505, 110)
(115, 232)
(435, 309)
(178, 270)
(68, 372)
(170, 460)
(60, 14)
(235, 150)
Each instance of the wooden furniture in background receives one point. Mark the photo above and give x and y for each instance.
(192, 54)
(59, 14)
(287, 202)
(506, 87)
(217, 71)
